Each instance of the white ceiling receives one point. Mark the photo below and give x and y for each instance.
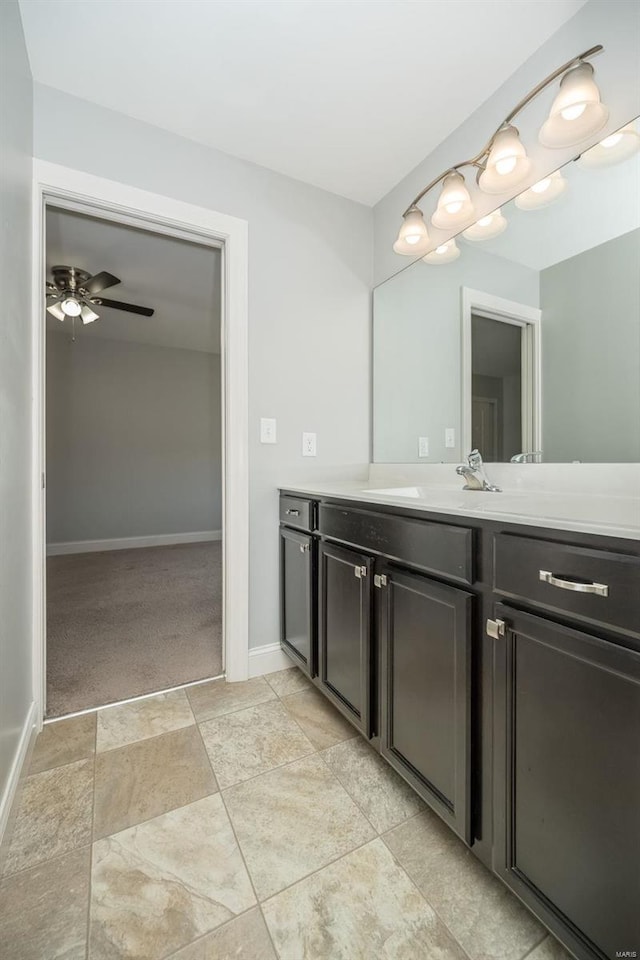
(349, 96)
(178, 279)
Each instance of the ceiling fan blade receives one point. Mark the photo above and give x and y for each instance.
(100, 282)
(56, 311)
(87, 314)
(128, 307)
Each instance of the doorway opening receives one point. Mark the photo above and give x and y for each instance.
(500, 377)
(133, 461)
(225, 237)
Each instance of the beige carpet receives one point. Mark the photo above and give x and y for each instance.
(127, 622)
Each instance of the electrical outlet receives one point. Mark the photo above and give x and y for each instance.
(449, 437)
(267, 430)
(308, 444)
(423, 446)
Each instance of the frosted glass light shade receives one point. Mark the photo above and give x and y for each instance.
(542, 193)
(88, 315)
(454, 205)
(576, 113)
(507, 164)
(56, 311)
(616, 148)
(413, 238)
(445, 253)
(71, 307)
(486, 227)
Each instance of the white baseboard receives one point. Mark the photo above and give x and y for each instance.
(28, 733)
(267, 659)
(130, 543)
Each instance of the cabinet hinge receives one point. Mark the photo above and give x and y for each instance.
(380, 580)
(496, 629)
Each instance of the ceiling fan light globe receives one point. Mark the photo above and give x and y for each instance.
(71, 307)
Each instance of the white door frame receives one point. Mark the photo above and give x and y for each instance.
(114, 201)
(508, 311)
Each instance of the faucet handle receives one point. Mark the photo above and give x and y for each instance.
(475, 459)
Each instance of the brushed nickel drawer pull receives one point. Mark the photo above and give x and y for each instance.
(578, 586)
(293, 513)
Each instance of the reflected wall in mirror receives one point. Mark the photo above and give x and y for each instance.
(528, 341)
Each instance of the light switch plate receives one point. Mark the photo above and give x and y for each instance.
(423, 446)
(267, 430)
(308, 444)
(450, 437)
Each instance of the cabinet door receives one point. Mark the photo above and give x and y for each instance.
(568, 781)
(297, 598)
(344, 671)
(426, 690)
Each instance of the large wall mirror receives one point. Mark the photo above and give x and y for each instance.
(522, 335)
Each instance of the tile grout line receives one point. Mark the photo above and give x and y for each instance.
(93, 817)
(240, 850)
(424, 897)
(203, 936)
(536, 945)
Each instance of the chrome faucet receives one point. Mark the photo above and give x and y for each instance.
(533, 457)
(473, 472)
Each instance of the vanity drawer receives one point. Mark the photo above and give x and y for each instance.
(433, 547)
(591, 585)
(296, 512)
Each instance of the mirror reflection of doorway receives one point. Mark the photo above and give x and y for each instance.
(499, 405)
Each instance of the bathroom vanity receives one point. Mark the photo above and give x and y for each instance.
(487, 642)
(495, 665)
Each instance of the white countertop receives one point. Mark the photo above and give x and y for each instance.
(613, 516)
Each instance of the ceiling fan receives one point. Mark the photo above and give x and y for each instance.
(74, 293)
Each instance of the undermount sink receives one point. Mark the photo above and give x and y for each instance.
(521, 503)
(447, 497)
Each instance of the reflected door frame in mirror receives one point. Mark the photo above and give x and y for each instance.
(480, 303)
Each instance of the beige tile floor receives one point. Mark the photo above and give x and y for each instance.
(245, 821)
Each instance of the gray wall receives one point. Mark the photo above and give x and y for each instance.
(591, 338)
(310, 271)
(133, 439)
(16, 692)
(613, 23)
(417, 350)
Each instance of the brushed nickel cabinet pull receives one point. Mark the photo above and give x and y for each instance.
(577, 586)
(496, 629)
(360, 572)
(293, 513)
(380, 580)
(304, 547)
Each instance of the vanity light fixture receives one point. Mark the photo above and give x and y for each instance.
(542, 193)
(445, 253)
(613, 149)
(507, 164)
(486, 227)
(576, 114)
(413, 238)
(454, 205)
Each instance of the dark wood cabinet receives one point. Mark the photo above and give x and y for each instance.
(425, 650)
(567, 787)
(497, 669)
(344, 637)
(297, 598)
